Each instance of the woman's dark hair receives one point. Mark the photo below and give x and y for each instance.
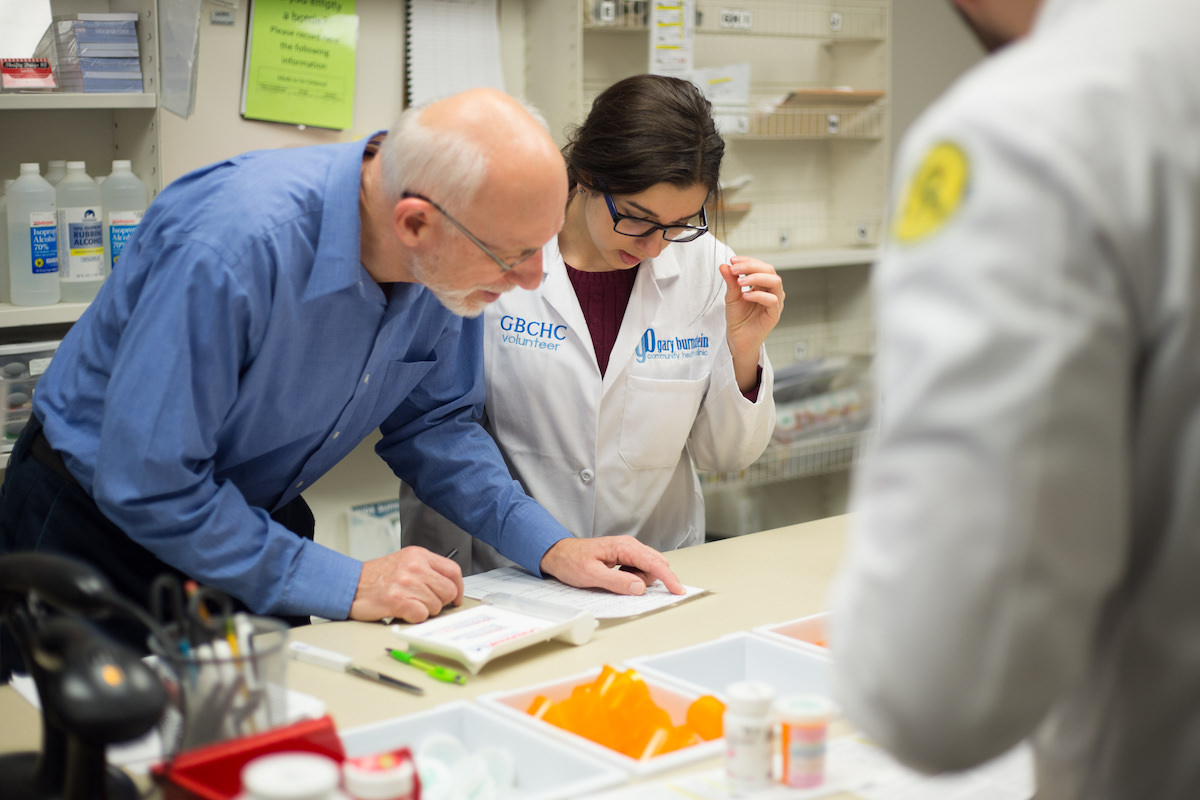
(644, 130)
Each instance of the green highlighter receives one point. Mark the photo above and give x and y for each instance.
(432, 670)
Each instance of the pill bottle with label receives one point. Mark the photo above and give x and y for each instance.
(803, 730)
(748, 726)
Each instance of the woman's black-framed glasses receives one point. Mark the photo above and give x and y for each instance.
(504, 265)
(638, 227)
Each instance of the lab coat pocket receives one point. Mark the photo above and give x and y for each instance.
(657, 419)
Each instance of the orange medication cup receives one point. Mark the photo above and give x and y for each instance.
(616, 710)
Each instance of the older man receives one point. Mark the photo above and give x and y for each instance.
(269, 312)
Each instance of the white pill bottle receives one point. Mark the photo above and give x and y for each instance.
(748, 727)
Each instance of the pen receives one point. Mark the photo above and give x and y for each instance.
(453, 552)
(302, 651)
(387, 680)
(432, 670)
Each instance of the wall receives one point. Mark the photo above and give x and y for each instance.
(216, 130)
(931, 47)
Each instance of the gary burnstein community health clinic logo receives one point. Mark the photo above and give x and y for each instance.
(656, 345)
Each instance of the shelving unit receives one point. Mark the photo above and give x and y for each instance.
(95, 128)
(813, 136)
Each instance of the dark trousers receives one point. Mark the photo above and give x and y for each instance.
(44, 509)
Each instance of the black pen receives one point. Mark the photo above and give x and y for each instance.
(319, 656)
(387, 680)
(453, 552)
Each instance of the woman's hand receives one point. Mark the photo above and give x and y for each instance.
(753, 304)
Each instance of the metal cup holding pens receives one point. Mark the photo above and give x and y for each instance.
(225, 673)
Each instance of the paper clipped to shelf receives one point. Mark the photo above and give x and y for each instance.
(600, 603)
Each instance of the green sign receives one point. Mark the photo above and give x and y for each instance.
(300, 62)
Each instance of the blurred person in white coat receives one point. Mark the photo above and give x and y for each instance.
(1024, 554)
(641, 357)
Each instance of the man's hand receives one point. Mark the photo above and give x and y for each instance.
(411, 584)
(588, 563)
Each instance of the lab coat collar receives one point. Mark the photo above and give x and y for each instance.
(338, 261)
(665, 267)
(559, 293)
(643, 306)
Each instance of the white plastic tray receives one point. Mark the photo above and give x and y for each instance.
(709, 667)
(804, 633)
(546, 769)
(670, 697)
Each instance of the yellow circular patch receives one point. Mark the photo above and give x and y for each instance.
(934, 193)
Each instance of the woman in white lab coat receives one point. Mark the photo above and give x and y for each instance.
(641, 357)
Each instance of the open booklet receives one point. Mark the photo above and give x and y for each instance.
(501, 624)
(519, 610)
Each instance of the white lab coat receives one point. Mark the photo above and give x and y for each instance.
(615, 455)
(1025, 557)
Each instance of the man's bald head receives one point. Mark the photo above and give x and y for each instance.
(453, 147)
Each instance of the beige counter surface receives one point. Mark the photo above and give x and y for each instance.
(752, 580)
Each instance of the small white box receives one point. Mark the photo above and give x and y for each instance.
(709, 667)
(669, 697)
(545, 769)
(810, 633)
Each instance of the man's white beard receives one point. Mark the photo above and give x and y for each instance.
(457, 301)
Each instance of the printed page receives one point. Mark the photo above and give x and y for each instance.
(599, 603)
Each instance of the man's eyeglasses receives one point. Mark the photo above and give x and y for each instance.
(639, 227)
(504, 265)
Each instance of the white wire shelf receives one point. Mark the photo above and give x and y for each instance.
(800, 459)
(865, 21)
(788, 343)
(790, 224)
(830, 120)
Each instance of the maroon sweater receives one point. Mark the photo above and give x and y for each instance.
(603, 297)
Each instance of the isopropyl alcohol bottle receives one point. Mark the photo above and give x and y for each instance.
(124, 199)
(80, 235)
(56, 169)
(32, 240)
(4, 241)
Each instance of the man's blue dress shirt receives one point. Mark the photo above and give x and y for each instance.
(239, 351)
